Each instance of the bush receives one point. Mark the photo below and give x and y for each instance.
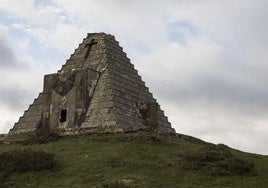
(26, 160)
(42, 136)
(217, 160)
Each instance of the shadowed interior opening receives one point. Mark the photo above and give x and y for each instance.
(63, 115)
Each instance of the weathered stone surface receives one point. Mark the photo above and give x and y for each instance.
(97, 90)
(2, 137)
(128, 182)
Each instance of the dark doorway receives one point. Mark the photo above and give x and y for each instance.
(63, 115)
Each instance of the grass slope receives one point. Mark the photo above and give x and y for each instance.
(143, 159)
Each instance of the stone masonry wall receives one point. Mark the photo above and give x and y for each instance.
(118, 100)
(30, 119)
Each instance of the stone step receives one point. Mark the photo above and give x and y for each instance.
(130, 78)
(25, 119)
(129, 84)
(28, 125)
(123, 69)
(35, 107)
(128, 93)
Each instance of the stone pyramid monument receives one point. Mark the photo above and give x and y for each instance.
(97, 90)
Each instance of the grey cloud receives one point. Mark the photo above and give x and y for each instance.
(7, 58)
(215, 90)
(218, 111)
(218, 89)
(15, 98)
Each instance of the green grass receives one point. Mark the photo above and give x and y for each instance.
(149, 159)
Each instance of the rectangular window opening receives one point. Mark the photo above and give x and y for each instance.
(63, 115)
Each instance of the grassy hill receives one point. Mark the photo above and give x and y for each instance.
(135, 160)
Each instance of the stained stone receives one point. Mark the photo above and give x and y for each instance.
(96, 90)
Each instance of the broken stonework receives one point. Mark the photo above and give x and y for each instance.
(97, 90)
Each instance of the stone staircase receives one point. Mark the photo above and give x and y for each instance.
(30, 119)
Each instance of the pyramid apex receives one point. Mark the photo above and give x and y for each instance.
(89, 35)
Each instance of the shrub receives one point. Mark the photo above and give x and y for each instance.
(42, 136)
(217, 160)
(25, 161)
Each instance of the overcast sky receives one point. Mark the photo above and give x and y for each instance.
(206, 61)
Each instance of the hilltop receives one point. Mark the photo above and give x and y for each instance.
(138, 159)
